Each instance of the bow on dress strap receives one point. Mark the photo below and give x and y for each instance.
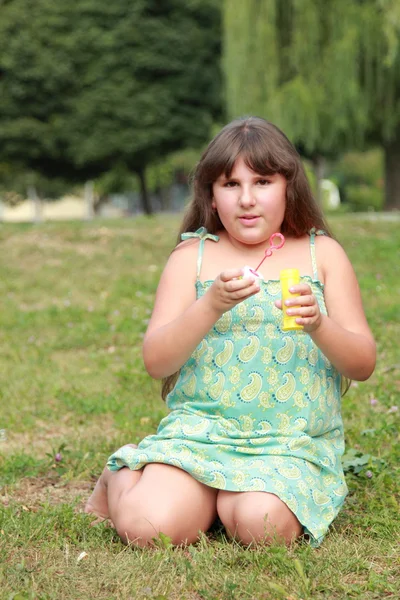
(203, 235)
(315, 231)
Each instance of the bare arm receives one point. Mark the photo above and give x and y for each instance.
(180, 321)
(344, 336)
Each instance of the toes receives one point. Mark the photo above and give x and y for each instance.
(92, 510)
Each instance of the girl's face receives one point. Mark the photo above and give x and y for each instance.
(250, 206)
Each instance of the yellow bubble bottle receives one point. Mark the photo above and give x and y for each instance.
(288, 278)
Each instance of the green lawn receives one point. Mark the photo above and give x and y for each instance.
(75, 301)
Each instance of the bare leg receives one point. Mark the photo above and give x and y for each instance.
(158, 498)
(258, 517)
(161, 499)
(97, 504)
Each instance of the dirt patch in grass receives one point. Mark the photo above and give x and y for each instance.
(32, 492)
(47, 437)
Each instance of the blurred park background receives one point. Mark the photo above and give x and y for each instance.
(106, 106)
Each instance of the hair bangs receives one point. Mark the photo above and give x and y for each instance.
(267, 154)
(258, 157)
(222, 159)
(260, 152)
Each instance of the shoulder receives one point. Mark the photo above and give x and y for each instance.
(176, 289)
(330, 255)
(336, 270)
(189, 247)
(328, 246)
(181, 262)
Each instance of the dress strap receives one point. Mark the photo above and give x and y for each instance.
(313, 233)
(203, 234)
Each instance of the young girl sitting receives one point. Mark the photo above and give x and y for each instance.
(254, 434)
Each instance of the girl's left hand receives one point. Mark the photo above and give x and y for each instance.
(307, 310)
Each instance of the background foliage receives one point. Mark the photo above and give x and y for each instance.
(90, 86)
(127, 94)
(326, 72)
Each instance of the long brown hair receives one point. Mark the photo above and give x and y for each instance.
(266, 150)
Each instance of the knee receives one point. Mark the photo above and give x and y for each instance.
(143, 531)
(137, 532)
(263, 520)
(251, 526)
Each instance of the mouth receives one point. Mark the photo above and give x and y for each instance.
(249, 219)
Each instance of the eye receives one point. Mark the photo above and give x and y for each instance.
(263, 182)
(229, 184)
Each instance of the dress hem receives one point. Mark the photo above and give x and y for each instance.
(115, 464)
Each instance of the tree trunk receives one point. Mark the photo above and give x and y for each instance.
(164, 194)
(319, 170)
(392, 173)
(89, 200)
(32, 194)
(98, 202)
(144, 194)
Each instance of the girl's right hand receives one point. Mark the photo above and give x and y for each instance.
(228, 290)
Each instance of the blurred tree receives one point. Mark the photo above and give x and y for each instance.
(326, 71)
(359, 176)
(87, 86)
(380, 81)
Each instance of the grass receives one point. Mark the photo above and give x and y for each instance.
(75, 301)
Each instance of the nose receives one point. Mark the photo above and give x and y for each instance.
(246, 197)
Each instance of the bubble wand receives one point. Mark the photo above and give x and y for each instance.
(288, 278)
(268, 252)
(272, 247)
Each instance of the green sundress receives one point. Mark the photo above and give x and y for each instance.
(256, 409)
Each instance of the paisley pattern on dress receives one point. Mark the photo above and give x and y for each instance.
(256, 409)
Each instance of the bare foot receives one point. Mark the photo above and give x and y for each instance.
(97, 504)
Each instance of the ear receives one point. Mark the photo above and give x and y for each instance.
(213, 205)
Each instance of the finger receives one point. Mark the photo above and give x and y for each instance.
(231, 274)
(302, 312)
(308, 300)
(308, 323)
(300, 288)
(233, 285)
(278, 304)
(245, 292)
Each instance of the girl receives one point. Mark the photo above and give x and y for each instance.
(254, 434)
